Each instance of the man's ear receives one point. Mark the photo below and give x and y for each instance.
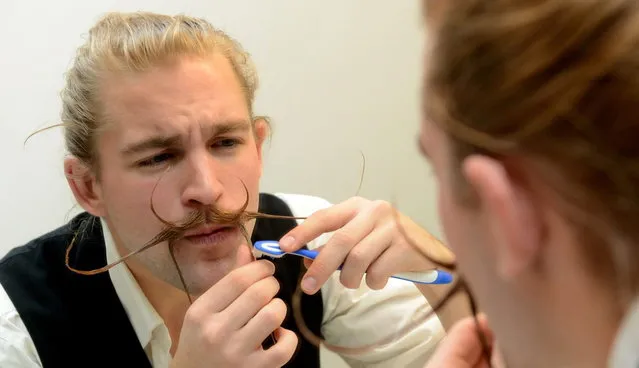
(510, 211)
(262, 132)
(84, 186)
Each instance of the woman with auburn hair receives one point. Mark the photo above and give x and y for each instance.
(531, 123)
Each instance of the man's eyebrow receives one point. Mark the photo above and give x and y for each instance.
(156, 142)
(163, 142)
(230, 126)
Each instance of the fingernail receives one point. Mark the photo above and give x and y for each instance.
(287, 242)
(309, 284)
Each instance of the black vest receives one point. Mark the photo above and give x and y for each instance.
(78, 321)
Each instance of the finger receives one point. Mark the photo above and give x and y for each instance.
(475, 326)
(334, 252)
(267, 320)
(378, 273)
(462, 347)
(278, 354)
(247, 305)
(395, 258)
(363, 255)
(497, 357)
(320, 222)
(229, 288)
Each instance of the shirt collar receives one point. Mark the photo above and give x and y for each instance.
(625, 353)
(143, 316)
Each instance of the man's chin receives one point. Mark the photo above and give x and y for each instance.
(210, 273)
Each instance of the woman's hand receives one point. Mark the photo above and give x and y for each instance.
(462, 348)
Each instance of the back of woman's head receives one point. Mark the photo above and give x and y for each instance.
(557, 82)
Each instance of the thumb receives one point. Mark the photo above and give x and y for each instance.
(498, 359)
(462, 348)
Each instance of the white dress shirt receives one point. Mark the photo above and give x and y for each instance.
(351, 317)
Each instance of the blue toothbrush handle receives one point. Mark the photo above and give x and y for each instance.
(436, 277)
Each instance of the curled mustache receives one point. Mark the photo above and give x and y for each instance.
(173, 231)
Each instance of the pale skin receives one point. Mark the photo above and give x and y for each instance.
(462, 348)
(185, 127)
(540, 315)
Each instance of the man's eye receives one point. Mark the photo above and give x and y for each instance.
(157, 160)
(226, 143)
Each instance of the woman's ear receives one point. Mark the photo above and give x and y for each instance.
(510, 214)
(84, 186)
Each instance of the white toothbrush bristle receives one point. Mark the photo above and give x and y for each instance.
(258, 254)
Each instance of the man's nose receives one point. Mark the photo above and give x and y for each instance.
(203, 185)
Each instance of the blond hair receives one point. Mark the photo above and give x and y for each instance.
(556, 82)
(131, 42)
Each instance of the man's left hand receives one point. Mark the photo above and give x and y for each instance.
(367, 240)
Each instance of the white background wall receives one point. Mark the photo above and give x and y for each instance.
(337, 77)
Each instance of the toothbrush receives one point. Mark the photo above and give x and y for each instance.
(271, 248)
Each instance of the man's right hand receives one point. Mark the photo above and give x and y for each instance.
(225, 327)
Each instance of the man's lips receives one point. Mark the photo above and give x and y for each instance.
(213, 235)
(205, 230)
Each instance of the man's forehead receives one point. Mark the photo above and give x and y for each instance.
(144, 122)
(137, 119)
(157, 110)
(197, 89)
